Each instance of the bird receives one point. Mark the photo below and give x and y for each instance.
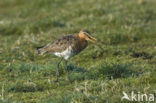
(66, 47)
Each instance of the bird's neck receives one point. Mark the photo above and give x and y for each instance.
(82, 43)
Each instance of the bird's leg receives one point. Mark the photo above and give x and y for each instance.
(57, 71)
(67, 70)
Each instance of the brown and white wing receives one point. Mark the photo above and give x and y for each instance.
(60, 44)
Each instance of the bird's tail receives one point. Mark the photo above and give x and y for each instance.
(41, 50)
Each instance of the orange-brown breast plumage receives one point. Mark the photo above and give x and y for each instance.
(79, 45)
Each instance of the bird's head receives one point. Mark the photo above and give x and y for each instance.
(84, 34)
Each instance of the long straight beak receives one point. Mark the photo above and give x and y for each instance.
(92, 39)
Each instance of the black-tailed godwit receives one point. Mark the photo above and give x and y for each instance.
(67, 47)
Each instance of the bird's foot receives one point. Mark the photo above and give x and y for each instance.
(69, 82)
(56, 80)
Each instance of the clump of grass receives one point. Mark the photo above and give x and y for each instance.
(11, 29)
(20, 87)
(143, 55)
(44, 25)
(113, 71)
(63, 99)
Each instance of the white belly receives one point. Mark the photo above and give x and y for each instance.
(65, 54)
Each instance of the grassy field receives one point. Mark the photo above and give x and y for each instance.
(126, 30)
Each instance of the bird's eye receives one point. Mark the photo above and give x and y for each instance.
(86, 33)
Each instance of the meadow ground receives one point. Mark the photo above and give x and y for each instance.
(126, 30)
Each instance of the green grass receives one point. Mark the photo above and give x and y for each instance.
(125, 29)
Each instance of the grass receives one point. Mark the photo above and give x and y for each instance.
(124, 28)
